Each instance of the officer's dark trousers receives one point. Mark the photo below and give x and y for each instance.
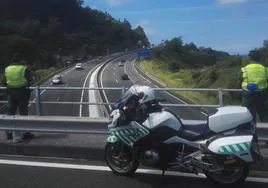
(18, 98)
(256, 103)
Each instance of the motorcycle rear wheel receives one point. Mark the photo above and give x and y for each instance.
(120, 160)
(229, 176)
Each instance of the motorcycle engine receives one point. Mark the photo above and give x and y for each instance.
(150, 157)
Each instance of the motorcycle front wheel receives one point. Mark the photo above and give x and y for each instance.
(229, 176)
(119, 158)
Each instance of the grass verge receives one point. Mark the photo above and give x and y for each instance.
(209, 77)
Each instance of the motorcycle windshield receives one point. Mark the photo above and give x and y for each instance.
(128, 94)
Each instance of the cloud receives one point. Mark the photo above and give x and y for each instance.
(226, 2)
(117, 2)
(145, 24)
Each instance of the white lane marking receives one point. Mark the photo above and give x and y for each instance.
(134, 68)
(204, 113)
(105, 96)
(93, 110)
(114, 73)
(83, 91)
(116, 80)
(34, 100)
(128, 73)
(71, 69)
(43, 92)
(107, 169)
(164, 91)
(157, 86)
(57, 99)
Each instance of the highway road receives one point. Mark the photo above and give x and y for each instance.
(39, 172)
(111, 77)
(71, 78)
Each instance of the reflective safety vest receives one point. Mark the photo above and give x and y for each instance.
(15, 76)
(254, 74)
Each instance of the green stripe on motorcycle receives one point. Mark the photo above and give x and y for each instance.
(122, 137)
(224, 149)
(247, 144)
(232, 148)
(125, 132)
(235, 148)
(144, 131)
(221, 150)
(122, 133)
(128, 137)
(240, 147)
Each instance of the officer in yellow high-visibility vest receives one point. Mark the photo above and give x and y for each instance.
(17, 79)
(254, 78)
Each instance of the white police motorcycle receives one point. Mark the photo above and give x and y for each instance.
(141, 131)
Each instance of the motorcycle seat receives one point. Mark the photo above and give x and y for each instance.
(193, 131)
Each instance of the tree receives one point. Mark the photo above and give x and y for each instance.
(141, 36)
(44, 26)
(255, 54)
(175, 45)
(127, 24)
(265, 43)
(190, 47)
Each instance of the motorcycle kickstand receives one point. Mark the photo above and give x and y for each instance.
(162, 177)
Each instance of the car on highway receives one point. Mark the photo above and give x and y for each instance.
(56, 79)
(124, 76)
(78, 66)
(100, 57)
(123, 60)
(120, 64)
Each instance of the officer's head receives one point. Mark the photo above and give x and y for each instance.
(254, 59)
(18, 59)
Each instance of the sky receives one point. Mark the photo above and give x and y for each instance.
(235, 26)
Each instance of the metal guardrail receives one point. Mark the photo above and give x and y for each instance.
(82, 125)
(93, 126)
(38, 101)
(54, 124)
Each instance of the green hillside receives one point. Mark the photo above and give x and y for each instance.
(179, 65)
(44, 30)
(210, 77)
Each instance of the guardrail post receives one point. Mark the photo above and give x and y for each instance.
(221, 97)
(123, 91)
(38, 101)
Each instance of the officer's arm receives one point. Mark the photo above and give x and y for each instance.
(266, 74)
(4, 80)
(239, 79)
(28, 77)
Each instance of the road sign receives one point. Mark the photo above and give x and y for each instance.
(144, 52)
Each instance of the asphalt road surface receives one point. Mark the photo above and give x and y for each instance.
(71, 78)
(111, 77)
(57, 173)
